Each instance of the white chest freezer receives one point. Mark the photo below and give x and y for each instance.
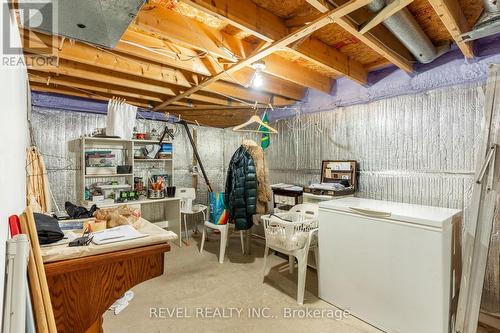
(393, 265)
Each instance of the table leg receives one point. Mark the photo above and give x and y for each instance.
(248, 238)
(174, 218)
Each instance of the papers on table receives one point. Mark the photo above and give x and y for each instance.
(117, 234)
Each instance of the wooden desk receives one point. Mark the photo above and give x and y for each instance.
(82, 289)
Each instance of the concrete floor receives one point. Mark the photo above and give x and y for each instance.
(196, 286)
(194, 282)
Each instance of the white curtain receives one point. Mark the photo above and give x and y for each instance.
(120, 119)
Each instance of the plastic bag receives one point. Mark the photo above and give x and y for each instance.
(218, 212)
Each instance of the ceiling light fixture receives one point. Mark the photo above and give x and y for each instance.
(258, 78)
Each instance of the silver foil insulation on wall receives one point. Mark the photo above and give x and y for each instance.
(417, 148)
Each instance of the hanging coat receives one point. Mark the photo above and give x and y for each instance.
(241, 189)
(264, 192)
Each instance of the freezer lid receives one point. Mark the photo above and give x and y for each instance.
(424, 215)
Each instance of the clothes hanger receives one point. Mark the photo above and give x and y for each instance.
(254, 119)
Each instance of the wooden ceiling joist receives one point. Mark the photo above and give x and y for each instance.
(450, 13)
(81, 93)
(190, 33)
(190, 60)
(148, 47)
(86, 54)
(73, 69)
(217, 118)
(386, 12)
(322, 21)
(260, 22)
(81, 84)
(369, 40)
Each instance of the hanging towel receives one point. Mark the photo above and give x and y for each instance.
(120, 120)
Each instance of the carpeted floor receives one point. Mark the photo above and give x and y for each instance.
(207, 297)
(197, 294)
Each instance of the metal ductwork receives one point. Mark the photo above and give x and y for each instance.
(489, 22)
(100, 22)
(405, 28)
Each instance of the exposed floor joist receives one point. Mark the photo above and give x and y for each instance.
(389, 10)
(325, 19)
(218, 118)
(91, 86)
(73, 69)
(453, 18)
(55, 89)
(373, 43)
(88, 55)
(191, 33)
(260, 22)
(148, 47)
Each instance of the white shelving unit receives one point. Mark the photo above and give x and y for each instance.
(124, 150)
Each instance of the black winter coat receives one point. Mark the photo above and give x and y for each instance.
(241, 189)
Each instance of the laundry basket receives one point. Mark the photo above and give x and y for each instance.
(288, 231)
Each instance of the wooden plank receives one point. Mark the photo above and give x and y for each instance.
(148, 47)
(297, 74)
(183, 31)
(261, 23)
(278, 86)
(86, 54)
(68, 81)
(373, 43)
(490, 321)
(389, 10)
(298, 21)
(69, 68)
(80, 93)
(35, 288)
(244, 15)
(200, 107)
(302, 32)
(323, 55)
(450, 13)
(35, 247)
(159, 21)
(216, 118)
(484, 204)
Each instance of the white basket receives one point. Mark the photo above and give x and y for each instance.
(288, 231)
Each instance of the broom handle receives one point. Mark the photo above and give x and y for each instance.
(41, 270)
(34, 282)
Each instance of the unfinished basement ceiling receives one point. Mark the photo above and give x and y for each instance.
(100, 22)
(172, 46)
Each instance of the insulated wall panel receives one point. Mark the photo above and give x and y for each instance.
(417, 149)
(54, 129)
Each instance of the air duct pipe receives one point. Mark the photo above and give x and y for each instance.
(491, 6)
(404, 26)
(489, 22)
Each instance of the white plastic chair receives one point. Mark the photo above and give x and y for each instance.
(293, 239)
(188, 195)
(224, 237)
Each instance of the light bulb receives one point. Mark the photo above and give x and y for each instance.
(258, 80)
